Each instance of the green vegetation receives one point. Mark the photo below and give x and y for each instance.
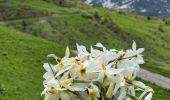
(18, 11)
(88, 25)
(63, 3)
(21, 60)
(21, 53)
(159, 93)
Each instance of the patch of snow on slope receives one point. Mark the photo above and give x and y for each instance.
(143, 10)
(88, 1)
(108, 4)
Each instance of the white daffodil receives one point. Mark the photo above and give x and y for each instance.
(93, 92)
(98, 66)
(149, 96)
(95, 53)
(50, 71)
(53, 90)
(130, 68)
(96, 75)
(52, 87)
(135, 54)
(105, 71)
(61, 96)
(81, 71)
(105, 54)
(83, 54)
(134, 51)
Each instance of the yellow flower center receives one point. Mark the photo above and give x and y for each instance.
(82, 71)
(53, 91)
(103, 67)
(91, 93)
(66, 82)
(75, 62)
(61, 64)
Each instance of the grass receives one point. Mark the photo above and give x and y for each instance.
(22, 57)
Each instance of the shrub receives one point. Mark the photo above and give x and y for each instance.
(10, 12)
(64, 3)
(86, 15)
(166, 21)
(149, 18)
(160, 28)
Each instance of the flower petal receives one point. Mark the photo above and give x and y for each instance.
(149, 96)
(101, 46)
(140, 50)
(134, 46)
(67, 53)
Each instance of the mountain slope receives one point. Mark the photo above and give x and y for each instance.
(88, 25)
(21, 60)
(160, 8)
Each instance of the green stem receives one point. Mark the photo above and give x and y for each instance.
(51, 67)
(133, 97)
(83, 81)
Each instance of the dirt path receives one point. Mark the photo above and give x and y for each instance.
(154, 78)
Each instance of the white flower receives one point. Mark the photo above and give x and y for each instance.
(49, 74)
(135, 52)
(149, 96)
(130, 68)
(82, 52)
(93, 92)
(95, 75)
(101, 46)
(99, 66)
(52, 87)
(54, 91)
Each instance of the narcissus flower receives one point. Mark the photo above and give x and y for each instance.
(101, 74)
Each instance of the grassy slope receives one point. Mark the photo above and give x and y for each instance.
(89, 25)
(22, 57)
(148, 35)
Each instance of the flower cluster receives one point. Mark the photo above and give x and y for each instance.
(100, 74)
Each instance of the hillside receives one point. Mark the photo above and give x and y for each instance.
(88, 25)
(21, 55)
(21, 60)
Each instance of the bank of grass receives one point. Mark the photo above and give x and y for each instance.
(72, 28)
(21, 60)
